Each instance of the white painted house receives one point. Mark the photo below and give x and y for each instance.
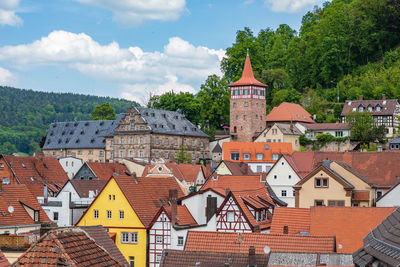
(282, 177)
(311, 130)
(71, 165)
(71, 201)
(391, 198)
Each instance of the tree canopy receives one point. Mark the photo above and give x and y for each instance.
(103, 112)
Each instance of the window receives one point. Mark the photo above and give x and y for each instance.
(340, 203)
(158, 258)
(319, 202)
(246, 104)
(6, 180)
(166, 141)
(132, 261)
(101, 153)
(184, 141)
(283, 193)
(112, 155)
(121, 153)
(156, 154)
(180, 240)
(234, 155)
(339, 133)
(113, 197)
(55, 216)
(175, 141)
(275, 156)
(36, 215)
(244, 117)
(234, 105)
(166, 155)
(379, 193)
(157, 141)
(230, 216)
(237, 117)
(201, 144)
(193, 142)
(122, 140)
(121, 214)
(275, 176)
(131, 154)
(108, 214)
(96, 214)
(79, 152)
(141, 140)
(290, 177)
(355, 204)
(246, 156)
(141, 154)
(331, 203)
(66, 164)
(321, 182)
(109, 197)
(259, 168)
(129, 237)
(159, 239)
(260, 156)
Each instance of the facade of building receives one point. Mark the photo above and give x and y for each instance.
(145, 133)
(311, 130)
(100, 171)
(395, 144)
(247, 106)
(71, 165)
(281, 132)
(384, 111)
(391, 198)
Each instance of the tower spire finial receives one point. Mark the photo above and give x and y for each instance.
(247, 51)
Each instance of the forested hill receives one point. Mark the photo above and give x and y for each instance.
(26, 115)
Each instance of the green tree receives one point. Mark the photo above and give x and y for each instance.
(103, 112)
(363, 127)
(182, 156)
(8, 148)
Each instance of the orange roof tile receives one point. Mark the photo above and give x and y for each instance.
(361, 196)
(228, 242)
(296, 219)
(368, 164)
(18, 195)
(247, 76)
(3, 260)
(187, 172)
(184, 217)
(254, 148)
(237, 168)
(289, 112)
(67, 247)
(234, 183)
(105, 170)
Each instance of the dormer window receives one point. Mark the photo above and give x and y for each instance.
(23, 165)
(36, 216)
(370, 109)
(360, 108)
(378, 108)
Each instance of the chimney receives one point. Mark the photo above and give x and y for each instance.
(173, 198)
(256, 229)
(285, 229)
(39, 155)
(252, 256)
(327, 163)
(383, 97)
(227, 191)
(361, 97)
(291, 128)
(211, 207)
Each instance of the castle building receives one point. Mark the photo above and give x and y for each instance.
(247, 106)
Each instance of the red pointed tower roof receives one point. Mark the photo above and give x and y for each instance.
(247, 76)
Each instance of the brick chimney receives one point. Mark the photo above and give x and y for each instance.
(361, 97)
(39, 155)
(173, 198)
(211, 207)
(383, 97)
(252, 256)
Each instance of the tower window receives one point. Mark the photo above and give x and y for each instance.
(246, 104)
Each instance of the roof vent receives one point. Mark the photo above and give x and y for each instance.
(101, 123)
(59, 141)
(92, 140)
(71, 132)
(23, 165)
(82, 132)
(76, 124)
(54, 125)
(266, 147)
(97, 131)
(384, 102)
(87, 123)
(51, 133)
(77, 140)
(66, 140)
(104, 140)
(63, 133)
(48, 141)
(349, 103)
(67, 124)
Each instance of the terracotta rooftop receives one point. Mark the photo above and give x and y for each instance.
(179, 258)
(234, 183)
(3, 260)
(186, 172)
(237, 168)
(326, 126)
(367, 164)
(228, 242)
(289, 112)
(297, 220)
(254, 148)
(361, 196)
(348, 224)
(184, 217)
(20, 198)
(387, 106)
(247, 76)
(105, 170)
(64, 247)
(83, 187)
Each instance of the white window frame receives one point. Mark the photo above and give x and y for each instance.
(109, 214)
(180, 240)
(96, 214)
(230, 216)
(121, 214)
(129, 237)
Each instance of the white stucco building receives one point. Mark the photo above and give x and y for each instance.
(391, 198)
(71, 165)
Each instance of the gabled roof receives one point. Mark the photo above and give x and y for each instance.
(184, 258)
(247, 76)
(288, 129)
(396, 140)
(105, 170)
(297, 220)
(367, 164)
(70, 247)
(82, 187)
(289, 112)
(238, 168)
(181, 171)
(326, 126)
(18, 196)
(80, 134)
(388, 106)
(229, 242)
(382, 243)
(254, 148)
(3, 260)
(184, 217)
(217, 149)
(234, 183)
(348, 224)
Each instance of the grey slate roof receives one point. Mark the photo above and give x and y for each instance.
(217, 149)
(288, 129)
(163, 122)
(382, 243)
(395, 141)
(80, 134)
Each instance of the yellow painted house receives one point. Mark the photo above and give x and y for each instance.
(126, 207)
(281, 133)
(333, 183)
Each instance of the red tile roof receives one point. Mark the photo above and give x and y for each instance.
(83, 187)
(17, 196)
(254, 148)
(234, 183)
(229, 242)
(368, 164)
(184, 217)
(386, 109)
(237, 168)
(296, 219)
(348, 224)
(105, 170)
(361, 196)
(3, 260)
(247, 76)
(289, 112)
(71, 247)
(186, 172)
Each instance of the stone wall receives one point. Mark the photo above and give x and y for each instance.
(310, 259)
(336, 146)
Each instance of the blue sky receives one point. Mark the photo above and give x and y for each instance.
(129, 48)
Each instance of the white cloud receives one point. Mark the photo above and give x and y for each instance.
(291, 6)
(7, 13)
(134, 12)
(7, 78)
(181, 66)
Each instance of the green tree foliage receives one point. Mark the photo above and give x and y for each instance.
(26, 115)
(103, 112)
(363, 127)
(182, 156)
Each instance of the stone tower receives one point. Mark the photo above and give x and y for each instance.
(247, 106)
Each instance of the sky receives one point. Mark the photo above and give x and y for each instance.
(128, 48)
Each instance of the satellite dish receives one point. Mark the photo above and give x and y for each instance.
(10, 209)
(267, 250)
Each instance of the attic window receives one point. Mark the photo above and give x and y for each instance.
(63, 133)
(71, 132)
(146, 113)
(59, 141)
(86, 123)
(82, 132)
(66, 140)
(101, 123)
(76, 124)
(48, 141)
(67, 124)
(164, 115)
(77, 141)
(51, 133)
(378, 108)
(162, 126)
(176, 117)
(23, 165)
(185, 128)
(154, 125)
(384, 102)
(173, 126)
(266, 147)
(152, 114)
(92, 140)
